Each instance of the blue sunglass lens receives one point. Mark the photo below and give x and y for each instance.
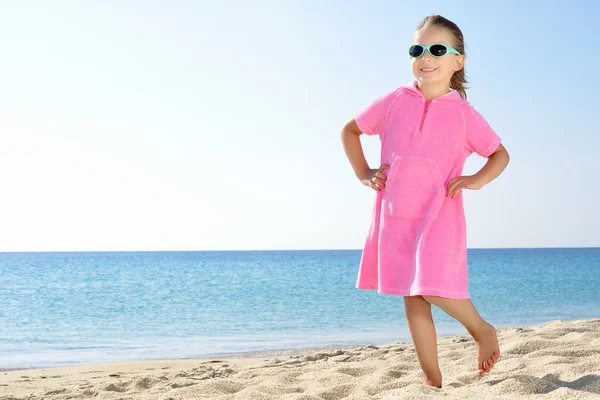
(438, 50)
(415, 50)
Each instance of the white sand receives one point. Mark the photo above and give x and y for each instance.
(554, 360)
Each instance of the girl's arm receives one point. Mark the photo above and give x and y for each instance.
(374, 178)
(350, 136)
(494, 166)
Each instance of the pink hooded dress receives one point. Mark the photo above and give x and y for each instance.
(417, 244)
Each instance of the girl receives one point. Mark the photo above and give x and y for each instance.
(416, 245)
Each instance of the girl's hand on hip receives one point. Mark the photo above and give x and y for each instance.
(375, 178)
(455, 185)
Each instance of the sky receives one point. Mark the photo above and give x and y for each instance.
(215, 125)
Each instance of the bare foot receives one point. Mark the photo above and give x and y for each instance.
(488, 349)
(433, 382)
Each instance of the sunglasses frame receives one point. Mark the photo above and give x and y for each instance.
(449, 49)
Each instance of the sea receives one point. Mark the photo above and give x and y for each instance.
(74, 308)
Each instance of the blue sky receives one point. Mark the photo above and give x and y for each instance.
(193, 125)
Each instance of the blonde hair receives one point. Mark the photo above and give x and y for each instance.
(459, 79)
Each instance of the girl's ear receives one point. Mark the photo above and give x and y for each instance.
(460, 63)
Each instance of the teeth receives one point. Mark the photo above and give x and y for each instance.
(427, 69)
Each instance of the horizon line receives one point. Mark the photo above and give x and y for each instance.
(273, 250)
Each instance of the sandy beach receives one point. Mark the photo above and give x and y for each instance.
(554, 360)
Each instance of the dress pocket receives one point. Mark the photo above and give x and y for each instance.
(414, 188)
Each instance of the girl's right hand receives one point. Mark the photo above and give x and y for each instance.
(375, 178)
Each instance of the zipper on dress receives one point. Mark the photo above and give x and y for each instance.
(424, 114)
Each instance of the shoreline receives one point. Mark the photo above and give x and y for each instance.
(289, 352)
(558, 359)
(249, 355)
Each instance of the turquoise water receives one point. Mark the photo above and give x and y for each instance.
(76, 308)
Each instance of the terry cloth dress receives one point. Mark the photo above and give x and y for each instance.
(416, 243)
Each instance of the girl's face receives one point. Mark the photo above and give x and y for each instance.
(431, 70)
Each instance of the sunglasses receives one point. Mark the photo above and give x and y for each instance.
(436, 50)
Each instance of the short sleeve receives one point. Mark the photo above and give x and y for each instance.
(480, 138)
(371, 118)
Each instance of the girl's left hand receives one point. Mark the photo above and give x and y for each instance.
(455, 185)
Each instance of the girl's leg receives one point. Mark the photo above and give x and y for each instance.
(422, 330)
(484, 334)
